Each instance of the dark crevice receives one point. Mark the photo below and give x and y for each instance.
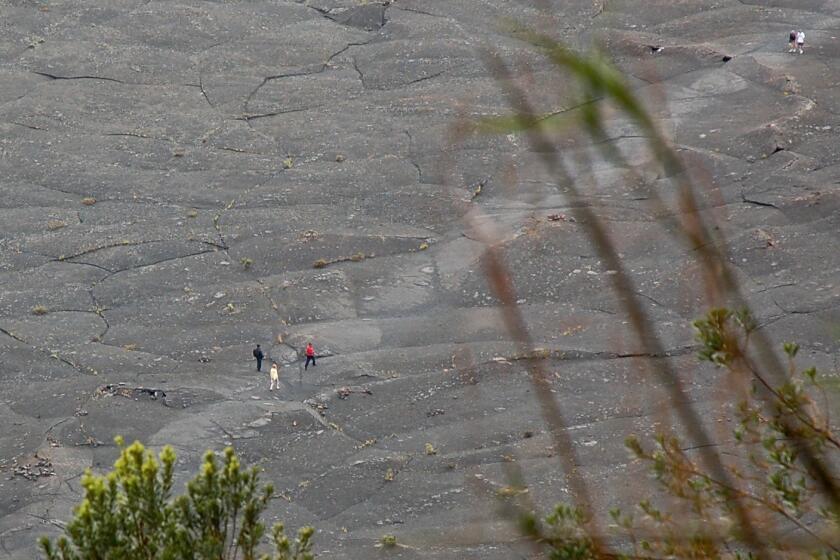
(621, 137)
(50, 354)
(359, 72)
(204, 92)
(319, 70)
(276, 113)
(424, 78)
(547, 116)
(100, 311)
(53, 259)
(13, 336)
(758, 202)
(32, 127)
(344, 50)
(769, 288)
(280, 77)
(167, 259)
(109, 246)
(55, 77)
(647, 81)
(218, 227)
(411, 159)
(416, 11)
(586, 356)
(236, 150)
(108, 270)
(136, 135)
(218, 246)
(56, 189)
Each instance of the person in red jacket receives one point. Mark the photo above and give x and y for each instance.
(310, 355)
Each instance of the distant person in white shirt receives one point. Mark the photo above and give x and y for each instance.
(800, 41)
(274, 375)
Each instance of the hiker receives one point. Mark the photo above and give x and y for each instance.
(792, 41)
(800, 41)
(310, 355)
(258, 354)
(274, 375)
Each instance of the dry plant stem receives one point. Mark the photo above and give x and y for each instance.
(802, 417)
(737, 383)
(516, 478)
(694, 229)
(465, 365)
(582, 164)
(714, 258)
(500, 282)
(697, 235)
(688, 468)
(641, 323)
(464, 362)
(515, 511)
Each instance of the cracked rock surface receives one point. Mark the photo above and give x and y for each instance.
(171, 173)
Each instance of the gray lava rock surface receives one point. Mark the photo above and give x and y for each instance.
(182, 180)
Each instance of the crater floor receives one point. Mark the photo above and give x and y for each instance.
(170, 172)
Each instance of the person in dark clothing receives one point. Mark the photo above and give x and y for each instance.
(310, 355)
(258, 354)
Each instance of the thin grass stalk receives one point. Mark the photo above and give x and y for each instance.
(737, 384)
(464, 363)
(500, 282)
(694, 230)
(624, 287)
(697, 235)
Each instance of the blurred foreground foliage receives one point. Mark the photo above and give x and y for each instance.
(773, 491)
(694, 514)
(131, 514)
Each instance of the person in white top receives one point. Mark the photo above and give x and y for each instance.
(800, 41)
(275, 377)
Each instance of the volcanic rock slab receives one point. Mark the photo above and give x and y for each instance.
(182, 180)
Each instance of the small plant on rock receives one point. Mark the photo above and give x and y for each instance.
(387, 541)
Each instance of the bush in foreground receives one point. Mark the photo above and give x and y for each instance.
(130, 513)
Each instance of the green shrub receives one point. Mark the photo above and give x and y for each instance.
(131, 513)
(388, 541)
